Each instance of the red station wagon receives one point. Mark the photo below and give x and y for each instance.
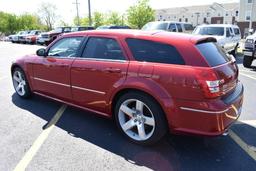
(151, 83)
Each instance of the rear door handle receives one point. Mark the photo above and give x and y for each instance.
(113, 70)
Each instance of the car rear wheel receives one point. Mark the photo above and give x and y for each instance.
(140, 118)
(247, 62)
(20, 83)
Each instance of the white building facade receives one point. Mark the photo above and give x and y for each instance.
(212, 14)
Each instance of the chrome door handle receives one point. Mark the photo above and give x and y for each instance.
(113, 70)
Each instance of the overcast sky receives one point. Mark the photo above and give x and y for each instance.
(67, 11)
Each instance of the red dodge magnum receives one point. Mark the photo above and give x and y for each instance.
(151, 83)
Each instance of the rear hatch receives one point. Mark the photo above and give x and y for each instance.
(224, 67)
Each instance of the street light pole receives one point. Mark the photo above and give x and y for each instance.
(89, 10)
(250, 26)
(77, 12)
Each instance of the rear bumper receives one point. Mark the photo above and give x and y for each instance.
(209, 118)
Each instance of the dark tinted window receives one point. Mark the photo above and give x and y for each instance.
(172, 27)
(179, 27)
(228, 32)
(237, 31)
(149, 51)
(213, 54)
(103, 48)
(218, 31)
(188, 27)
(66, 47)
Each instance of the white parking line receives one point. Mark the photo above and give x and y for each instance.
(39, 141)
(246, 75)
(250, 150)
(248, 122)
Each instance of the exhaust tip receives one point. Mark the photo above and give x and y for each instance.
(226, 133)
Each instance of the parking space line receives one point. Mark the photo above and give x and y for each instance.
(39, 141)
(250, 150)
(249, 76)
(248, 122)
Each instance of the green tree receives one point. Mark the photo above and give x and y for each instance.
(98, 19)
(114, 18)
(140, 14)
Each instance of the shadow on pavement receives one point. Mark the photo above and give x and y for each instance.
(172, 153)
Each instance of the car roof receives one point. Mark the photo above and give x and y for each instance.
(170, 22)
(218, 25)
(161, 36)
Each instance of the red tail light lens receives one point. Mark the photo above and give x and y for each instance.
(209, 83)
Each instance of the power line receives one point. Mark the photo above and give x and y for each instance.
(77, 12)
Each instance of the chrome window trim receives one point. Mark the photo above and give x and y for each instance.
(101, 59)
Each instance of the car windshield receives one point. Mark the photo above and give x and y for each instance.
(73, 29)
(58, 30)
(216, 31)
(32, 32)
(155, 26)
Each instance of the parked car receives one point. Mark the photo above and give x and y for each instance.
(22, 37)
(171, 26)
(228, 36)
(149, 82)
(82, 28)
(47, 38)
(249, 50)
(32, 36)
(113, 27)
(15, 38)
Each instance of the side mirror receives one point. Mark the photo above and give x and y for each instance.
(41, 52)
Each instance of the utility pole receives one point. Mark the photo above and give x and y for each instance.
(89, 10)
(197, 17)
(77, 12)
(250, 26)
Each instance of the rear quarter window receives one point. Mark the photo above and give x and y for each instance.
(213, 54)
(150, 51)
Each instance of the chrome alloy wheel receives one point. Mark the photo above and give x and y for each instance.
(136, 119)
(19, 82)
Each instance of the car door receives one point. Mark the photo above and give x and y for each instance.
(52, 73)
(102, 67)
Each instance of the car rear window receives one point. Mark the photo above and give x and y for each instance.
(188, 27)
(213, 54)
(150, 51)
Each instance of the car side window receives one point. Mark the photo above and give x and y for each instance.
(179, 27)
(103, 48)
(150, 51)
(237, 31)
(172, 27)
(65, 47)
(227, 32)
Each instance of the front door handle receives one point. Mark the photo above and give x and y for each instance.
(113, 70)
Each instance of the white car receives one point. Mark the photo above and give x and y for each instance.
(249, 50)
(228, 36)
(171, 26)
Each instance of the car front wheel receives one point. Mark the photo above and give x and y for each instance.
(247, 62)
(140, 118)
(20, 83)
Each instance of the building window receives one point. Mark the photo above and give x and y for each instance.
(249, 1)
(208, 14)
(248, 15)
(226, 14)
(237, 13)
(180, 20)
(186, 19)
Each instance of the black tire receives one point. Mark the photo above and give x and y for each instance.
(247, 62)
(160, 122)
(27, 90)
(233, 52)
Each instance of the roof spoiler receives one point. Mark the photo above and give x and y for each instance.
(206, 40)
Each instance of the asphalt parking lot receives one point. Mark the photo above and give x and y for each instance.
(40, 134)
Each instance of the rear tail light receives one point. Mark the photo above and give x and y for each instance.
(209, 83)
